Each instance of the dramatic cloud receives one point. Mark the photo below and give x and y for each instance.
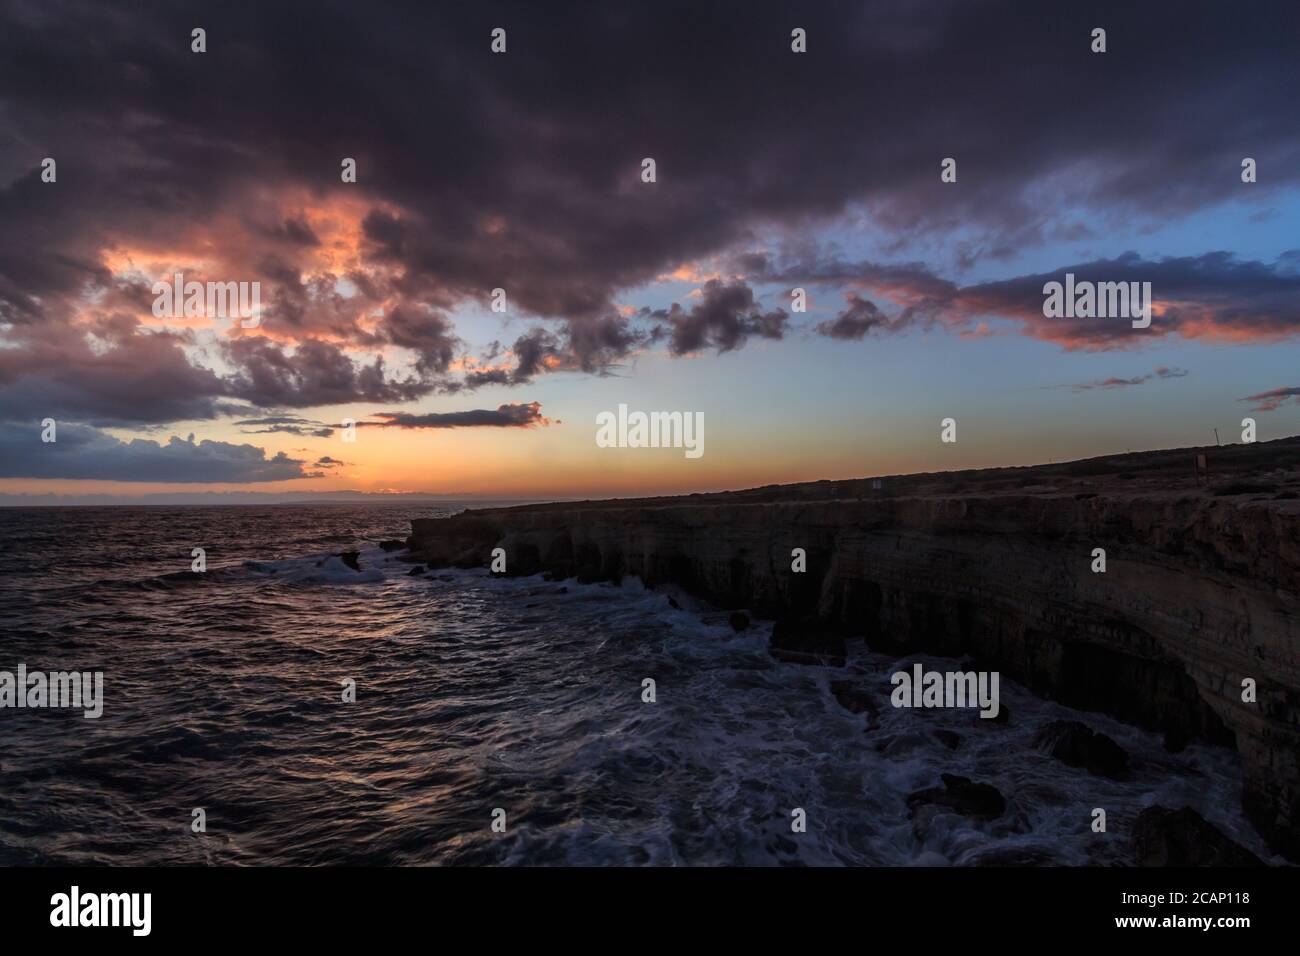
(1274, 398)
(861, 316)
(426, 333)
(312, 374)
(595, 346)
(1215, 296)
(83, 452)
(116, 377)
(521, 415)
(286, 424)
(1162, 372)
(478, 171)
(724, 319)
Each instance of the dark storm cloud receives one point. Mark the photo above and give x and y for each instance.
(915, 277)
(723, 319)
(1211, 296)
(521, 171)
(600, 343)
(532, 351)
(517, 415)
(84, 452)
(860, 317)
(293, 230)
(146, 378)
(126, 377)
(923, 297)
(426, 333)
(315, 373)
(597, 345)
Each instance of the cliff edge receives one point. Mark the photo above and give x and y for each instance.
(1200, 592)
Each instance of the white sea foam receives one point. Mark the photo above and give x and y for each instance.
(321, 569)
(476, 691)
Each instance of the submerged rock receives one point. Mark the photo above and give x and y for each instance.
(1078, 745)
(418, 569)
(807, 641)
(393, 544)
(1013, 856)
(589, 574)
(351, 559)
(1164, 837)
(949, 738)
(854, 697)
(738, 620)
(1176, 740)
(962, 795)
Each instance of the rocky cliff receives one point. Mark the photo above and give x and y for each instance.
(1201, 587)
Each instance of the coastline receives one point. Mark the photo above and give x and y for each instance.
(1199, 592)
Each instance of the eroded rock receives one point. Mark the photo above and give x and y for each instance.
(1078, 745)
(991, 563)
(980, 801)
(854, 697)
(1164, 837)
(950, 739)
(807, 641)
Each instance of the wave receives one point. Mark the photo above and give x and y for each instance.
(321, 569)
(473, 692)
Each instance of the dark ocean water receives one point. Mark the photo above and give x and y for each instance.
(475, 693)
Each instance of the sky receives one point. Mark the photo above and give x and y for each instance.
(523, 171)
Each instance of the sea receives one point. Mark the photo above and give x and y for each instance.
(281, 707)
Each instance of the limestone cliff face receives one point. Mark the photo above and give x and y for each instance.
(1199, 593)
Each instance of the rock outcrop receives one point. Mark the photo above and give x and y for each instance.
(1200, 592)
(1078, 745)
(1164, 837)
(979, 801)
(854, 697)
